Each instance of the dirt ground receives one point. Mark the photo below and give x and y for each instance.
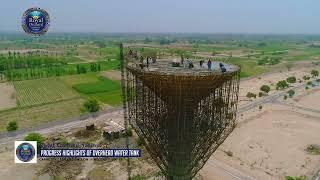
(10, 170)
(113, 75)
(311, 100)
(271, 143)
(7, 96)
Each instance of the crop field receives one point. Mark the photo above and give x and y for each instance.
(104, 90)
(32, 116)
(79, 79)
(103, 85)
(42, 91)
(112, 98)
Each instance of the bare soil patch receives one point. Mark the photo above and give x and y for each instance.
(273, 145)
(311, 100)
(113, 75)
(7, 96)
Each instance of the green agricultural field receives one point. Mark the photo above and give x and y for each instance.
(103, 85)
(42, 91)
(249, 67)
(36, 115)
(112, 98)
(91, 85)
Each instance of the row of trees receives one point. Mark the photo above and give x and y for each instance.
(41, 67)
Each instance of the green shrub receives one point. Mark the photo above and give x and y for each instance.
(12, 126)
(282, 84)
(265, 88)
(296, 178)
(35, 137)
(261, 94)
(92, 105)
(306, 78)
(285, 97)
(129, 132)
(250, 95)
(314, 73)
(309, 83)
(260, 107)
(291, 79)
(313, 149)
(291, 93)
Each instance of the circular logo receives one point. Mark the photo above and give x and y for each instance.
(35, 21)
(25, 152)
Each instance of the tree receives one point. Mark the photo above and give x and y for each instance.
(12, 126)
(314, 73)
(309, 83)
(291, 93)
(265, 88)
(306, 78)
(250, 95)
(261, 94)
(282, 84)
(292, 79)
(35, 137)
(92, 105)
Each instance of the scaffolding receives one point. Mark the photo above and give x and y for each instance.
(182, 115)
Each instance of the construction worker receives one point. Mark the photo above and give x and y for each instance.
(201, 63)
(209, 65)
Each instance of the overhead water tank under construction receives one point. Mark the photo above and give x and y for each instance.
(182, 114)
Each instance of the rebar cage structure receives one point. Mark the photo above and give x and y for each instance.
(182, 118)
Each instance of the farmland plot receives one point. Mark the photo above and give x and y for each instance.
(42, 91)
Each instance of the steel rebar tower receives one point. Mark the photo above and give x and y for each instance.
(181, 114)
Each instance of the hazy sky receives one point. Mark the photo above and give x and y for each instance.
(205, 16)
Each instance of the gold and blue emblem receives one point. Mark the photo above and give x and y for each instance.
(25, 152)
(35, 21)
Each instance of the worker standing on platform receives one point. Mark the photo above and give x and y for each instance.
(201, 63)
(209, 65)
(182, 59)
(190, 63)
(223, 69)
(141, 62)
(147, 62)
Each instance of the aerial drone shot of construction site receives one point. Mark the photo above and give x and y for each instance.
(183, 105)
(275, 104)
